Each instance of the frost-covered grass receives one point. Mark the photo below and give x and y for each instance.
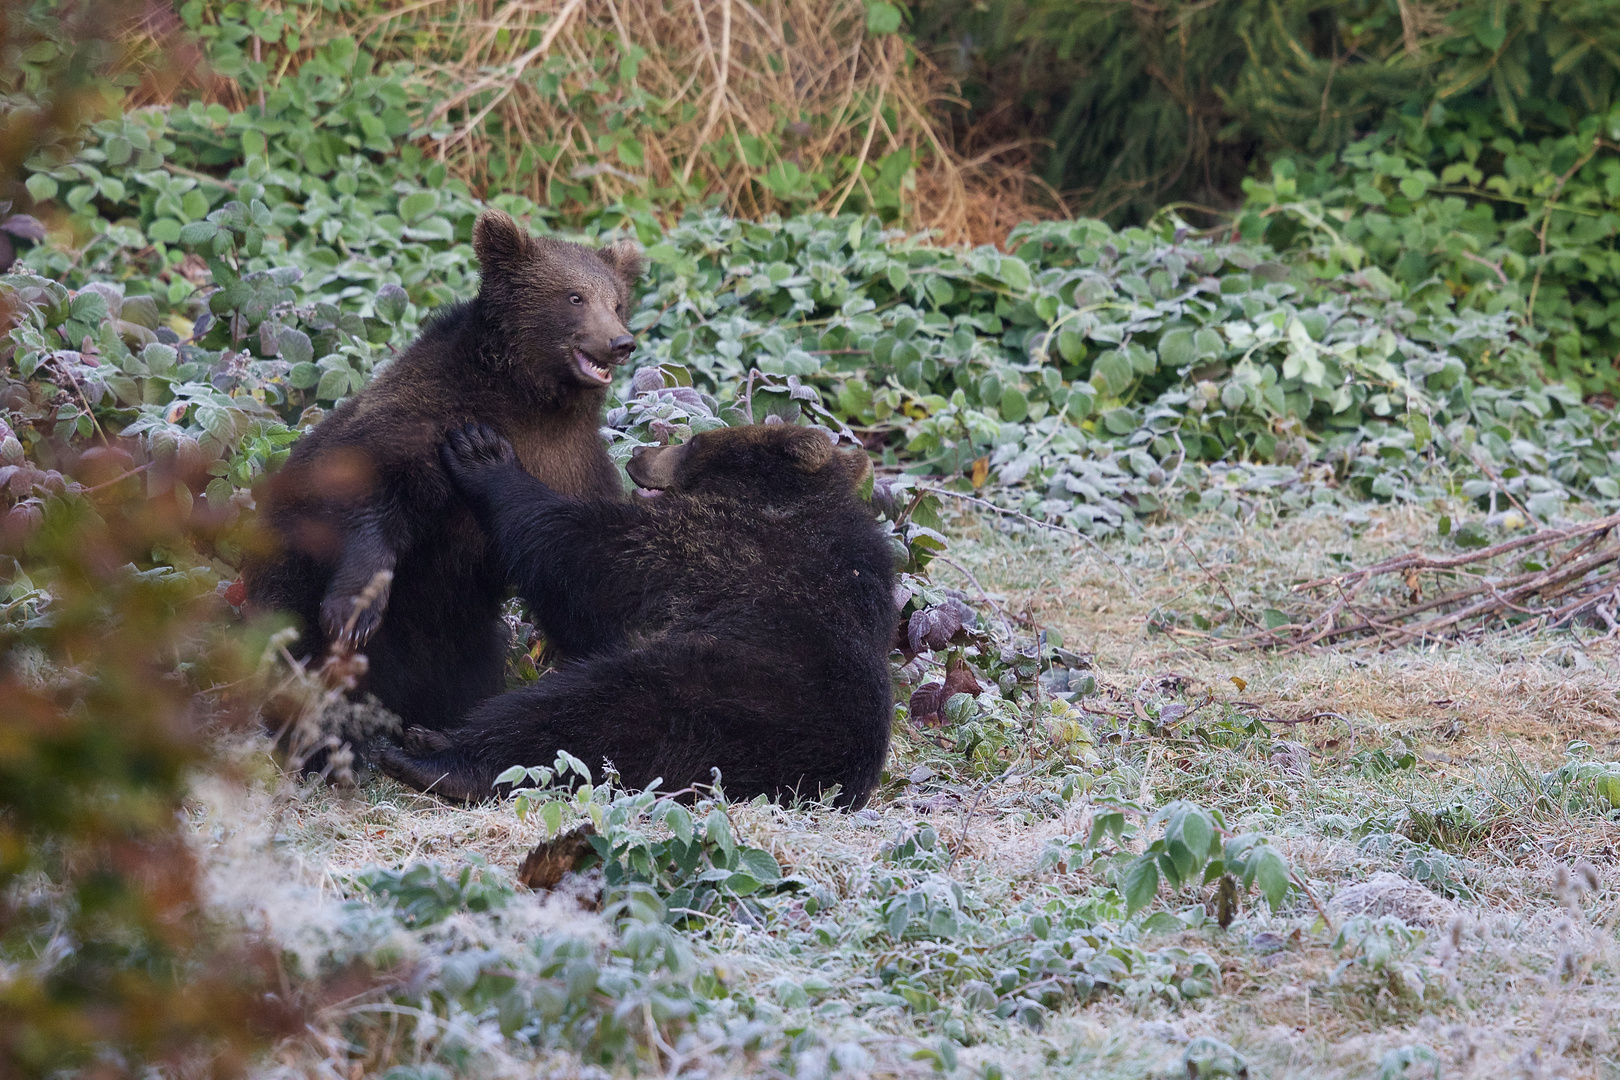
(1473, 774)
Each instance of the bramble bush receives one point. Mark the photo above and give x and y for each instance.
(1461, 209)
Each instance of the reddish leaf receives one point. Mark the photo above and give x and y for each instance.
(960, 680)
(926, 701)
(24, 225)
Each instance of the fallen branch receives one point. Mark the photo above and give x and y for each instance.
(1582, 579)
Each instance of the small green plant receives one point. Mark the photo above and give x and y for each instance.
(690, 858)
(1188, 852)
(1581, 785)
(1382, 957)
(423, 894)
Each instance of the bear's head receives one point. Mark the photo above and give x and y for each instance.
(758, 462)
(561, 307)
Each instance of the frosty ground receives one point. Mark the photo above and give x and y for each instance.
(1439, 769)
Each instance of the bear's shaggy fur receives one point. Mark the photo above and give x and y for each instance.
(364, 491)
(741, 619)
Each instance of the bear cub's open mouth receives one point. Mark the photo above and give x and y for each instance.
(591, 369)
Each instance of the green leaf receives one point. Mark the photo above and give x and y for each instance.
(1014, 405)
(551, 815)
(1115, 369)
(41, 187)
(1014, 273)
(1176, 349)
(742, 884)
(882, 18)
(418, 205)
(198, 233)
(1270, 872)
(303, 376)
(294, 346)
(1071, 345)
(141, 310)
(1120, 421)
(1196, 832)
(1418, 424)
(1140, 884)
(333, 385)
(761, 864)
(164, 230)
(717, 829)
(392, 303)
(159, 358)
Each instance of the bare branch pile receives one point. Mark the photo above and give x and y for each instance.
(1550, 578)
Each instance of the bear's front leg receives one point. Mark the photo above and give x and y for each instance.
(357, 597)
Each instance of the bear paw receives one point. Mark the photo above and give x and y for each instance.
(347, 629)
(431, 775)
(421, 741)
(472, 450)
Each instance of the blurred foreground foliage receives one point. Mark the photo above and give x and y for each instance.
(110, 962)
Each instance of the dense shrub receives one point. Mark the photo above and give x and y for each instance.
(1087, 377)
(1460, 210)
(1148, 103)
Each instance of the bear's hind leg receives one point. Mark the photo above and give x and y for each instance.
(446, 775)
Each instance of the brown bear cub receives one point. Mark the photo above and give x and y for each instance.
(364, 491)
(740, 620)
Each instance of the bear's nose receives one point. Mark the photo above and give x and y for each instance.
(622, 345)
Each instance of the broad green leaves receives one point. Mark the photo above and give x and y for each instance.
(1188, 852)
(1091, 377)
(695, 866)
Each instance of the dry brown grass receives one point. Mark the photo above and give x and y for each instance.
(804, 77)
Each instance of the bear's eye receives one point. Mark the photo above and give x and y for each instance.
(574, 298)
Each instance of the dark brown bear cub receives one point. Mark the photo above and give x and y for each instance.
(739, 620)
(364, 491)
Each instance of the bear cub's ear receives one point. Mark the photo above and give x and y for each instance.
(624, 258)
(809, 449)
(500, 243)
(859, 467)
